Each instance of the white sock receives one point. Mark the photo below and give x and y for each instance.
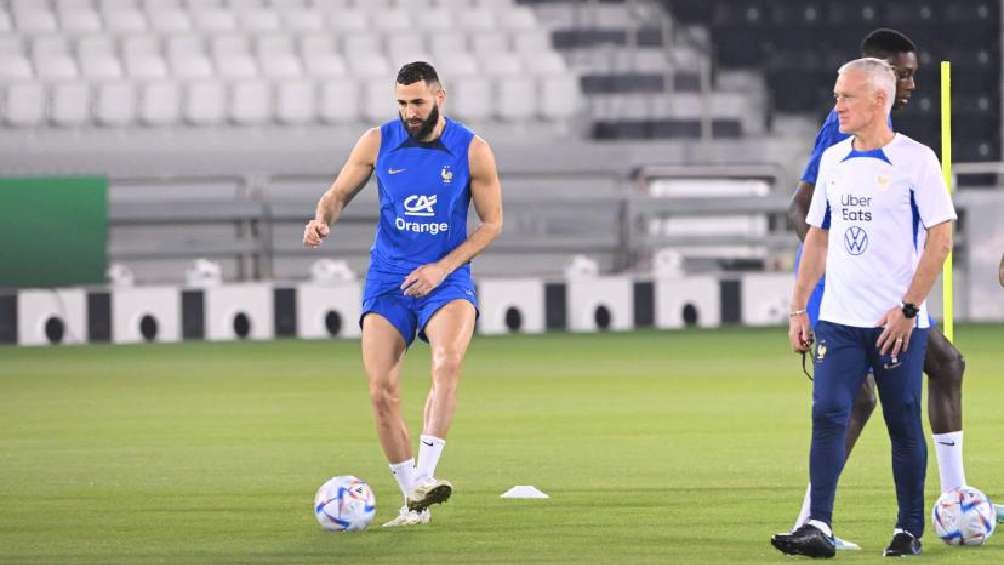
(430, 448)
(404, 474)
(803, 515)
(948, 448)
(823, 527)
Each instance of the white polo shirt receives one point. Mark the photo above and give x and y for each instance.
(876, 206)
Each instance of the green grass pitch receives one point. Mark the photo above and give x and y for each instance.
(661, 447)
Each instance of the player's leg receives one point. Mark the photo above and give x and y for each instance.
(900, 384)
(864, 404)
(840, 366)
(449, 331)
(945, 366)
(383, 351)
(861, 411)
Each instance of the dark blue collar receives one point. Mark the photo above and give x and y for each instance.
(873, 153)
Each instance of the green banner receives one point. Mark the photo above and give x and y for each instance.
(54, 231)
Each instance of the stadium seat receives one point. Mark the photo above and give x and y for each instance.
(280, 66)
(560, 97)
(145, 66)
(339, 101)
(70, 104)
(259, 21)
(213, 20)
(325, 65)
(392, 21)
(378, 100)
(402, 43)
(316, 43)
(284, 6)
(489, 42)
(243, 5)
(161, 5)
(274, 44)
(531, 43)
(347, 21)
(24, 104)
(72, 5)
(204, 103)
(55, 67)
(230, 43)
(515, 98)
(444, 44)
(361, 45)
(15, 67)
(434, 20)
(190, 66)
(519, 18)
(194, 6)
(80, 21)
(457, 64)
(167, 21)
(250, 102)
(181, 46)
(159, 103)
(116, 5)
(42, 45)
(124, 21)
(100, 66)
(235, 65)
(475, 21)
(35, 21)
(370, 65)
(295, 102)
(547, 63)
(302, 21)
(6, 25)
(99, 44)
(470, 97)
(115, 104)
(10, 46)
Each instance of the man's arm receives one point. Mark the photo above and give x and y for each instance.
(896, 327)
(939, 244)
(350, 180)
(811, 268)
(799, 208)
(486, 192)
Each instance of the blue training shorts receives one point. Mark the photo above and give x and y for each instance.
(409, 314)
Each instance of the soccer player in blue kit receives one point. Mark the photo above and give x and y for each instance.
(429, 169)
(943, 364)
(881, 227)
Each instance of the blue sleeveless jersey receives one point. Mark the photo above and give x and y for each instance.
(425, 194)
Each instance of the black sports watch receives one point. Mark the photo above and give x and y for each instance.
(910, 310)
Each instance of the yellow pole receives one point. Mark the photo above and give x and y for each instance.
(946, 171)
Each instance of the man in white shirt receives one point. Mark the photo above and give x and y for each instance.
(881, 227)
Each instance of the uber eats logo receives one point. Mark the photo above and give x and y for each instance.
(420, 205)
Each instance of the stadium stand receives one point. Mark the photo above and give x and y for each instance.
(250, 51)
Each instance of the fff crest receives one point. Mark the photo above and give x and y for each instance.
(446, 174)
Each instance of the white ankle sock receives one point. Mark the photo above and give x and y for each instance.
(404, 474)
(803, 515)
(430, 448)
(948, 448)
(823, 527)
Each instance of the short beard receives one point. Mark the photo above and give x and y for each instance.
(427, 126)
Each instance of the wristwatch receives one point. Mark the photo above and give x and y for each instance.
(909, 310)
